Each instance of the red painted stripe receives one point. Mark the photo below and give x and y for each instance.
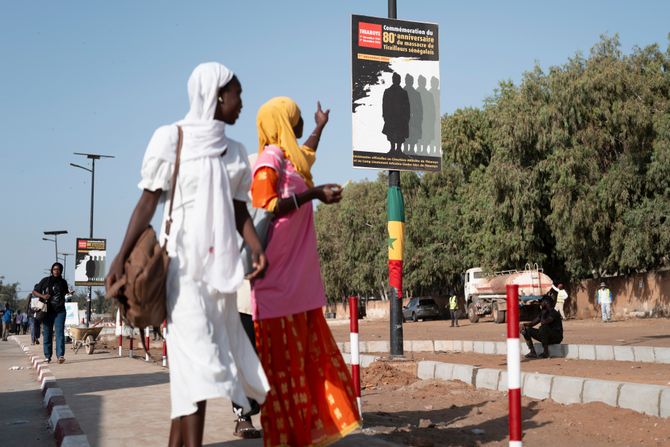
(512, 315)
(353, 314)
(395, 276)
(356, 376)
(514, 414)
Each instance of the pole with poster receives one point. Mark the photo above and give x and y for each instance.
(395, 120)
(89, 270)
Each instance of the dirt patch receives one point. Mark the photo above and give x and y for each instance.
(384, 373)
(434, 413)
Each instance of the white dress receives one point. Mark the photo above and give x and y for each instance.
(208, 351)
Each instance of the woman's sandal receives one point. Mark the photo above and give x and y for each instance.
(245, 429)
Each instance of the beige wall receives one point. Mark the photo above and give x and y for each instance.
(643, 293)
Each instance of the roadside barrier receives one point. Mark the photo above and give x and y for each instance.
(355, 354)
(513, 365)
(164, 332)
(147, 340)
(119, 331)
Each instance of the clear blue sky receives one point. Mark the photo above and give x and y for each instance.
(85, 76)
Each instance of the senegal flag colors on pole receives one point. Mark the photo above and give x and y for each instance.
(396, 225)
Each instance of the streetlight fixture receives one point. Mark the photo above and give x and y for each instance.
(55, 234)
(65, 255)
(91, 157)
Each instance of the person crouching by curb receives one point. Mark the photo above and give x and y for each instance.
(550, 331)
(604, 300)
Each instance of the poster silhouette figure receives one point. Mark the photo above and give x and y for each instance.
(90, 268)
(435, 93)
(415, 114)
(396, 114)
(429, 115)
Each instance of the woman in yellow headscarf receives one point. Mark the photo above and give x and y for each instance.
(311, 400)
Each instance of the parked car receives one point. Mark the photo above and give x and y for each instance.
(421, 309)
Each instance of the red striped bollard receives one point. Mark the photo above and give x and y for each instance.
(355, 352)
(132, 339)
(119, 331)
(513, 365)
(164, 329)
(147, 339)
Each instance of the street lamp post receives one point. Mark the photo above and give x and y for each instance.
(55, 234)
(91, 157)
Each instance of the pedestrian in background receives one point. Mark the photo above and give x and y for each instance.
(52, 289)
(210, 354)
(604, 300)
(561, 297)
(33, 322)
(453, 310)
(24, 321)
(311, 400)
(6, 321)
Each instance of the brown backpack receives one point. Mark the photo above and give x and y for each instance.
(141, 289)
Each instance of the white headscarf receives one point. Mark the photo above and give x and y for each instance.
(213, 255)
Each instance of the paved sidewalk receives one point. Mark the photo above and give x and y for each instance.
(23, 421)
(119, 401)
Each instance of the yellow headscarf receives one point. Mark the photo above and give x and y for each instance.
(275, 121)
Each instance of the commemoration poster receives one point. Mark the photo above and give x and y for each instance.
(90, 259)
(395, 94)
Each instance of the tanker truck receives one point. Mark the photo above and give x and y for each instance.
(486, 293)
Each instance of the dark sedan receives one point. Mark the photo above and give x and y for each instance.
(421, 309)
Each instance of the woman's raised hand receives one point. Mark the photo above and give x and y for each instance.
(329, 193)
(321, 116)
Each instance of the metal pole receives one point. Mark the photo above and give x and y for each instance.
(90, 289)
(396, 295)
(92, 195)
(56, 245)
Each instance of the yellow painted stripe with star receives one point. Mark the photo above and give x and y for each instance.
(396, 240)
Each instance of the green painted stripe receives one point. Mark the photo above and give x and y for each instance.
(395, 205)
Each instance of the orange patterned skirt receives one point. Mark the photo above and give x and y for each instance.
(311, 401)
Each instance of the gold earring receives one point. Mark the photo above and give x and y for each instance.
(220, 99)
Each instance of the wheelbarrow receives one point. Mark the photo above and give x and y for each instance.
(84, 336)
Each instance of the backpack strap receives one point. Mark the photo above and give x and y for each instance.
(180, 141)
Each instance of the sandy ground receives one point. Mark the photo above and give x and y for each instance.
(435, 413)
(407, 411)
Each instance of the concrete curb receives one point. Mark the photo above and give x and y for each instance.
(653, 400)
(645, 354)
(62, 421)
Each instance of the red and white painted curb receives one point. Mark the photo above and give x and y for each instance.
(62, 421)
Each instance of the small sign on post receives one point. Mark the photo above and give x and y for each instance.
(90, 261)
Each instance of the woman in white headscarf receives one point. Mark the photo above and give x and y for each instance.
(210, 354)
